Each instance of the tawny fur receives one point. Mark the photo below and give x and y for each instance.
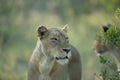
(101, 49)
(44, 66)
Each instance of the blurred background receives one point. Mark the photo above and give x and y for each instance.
(19, 20)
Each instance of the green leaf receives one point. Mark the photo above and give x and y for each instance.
(117, 13)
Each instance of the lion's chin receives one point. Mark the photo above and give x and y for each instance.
(97, 53)
(62, 61)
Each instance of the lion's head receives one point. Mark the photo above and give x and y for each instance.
(55, 43)
(98, 45)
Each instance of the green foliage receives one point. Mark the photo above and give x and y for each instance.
(109, 69)
(117, 13)
(111, 36)
(102, 60)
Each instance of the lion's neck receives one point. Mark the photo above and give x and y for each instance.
(44, 62)
(45, 65)
(38, 53)
(116, 53)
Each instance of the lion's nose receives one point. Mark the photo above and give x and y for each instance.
(67, 50)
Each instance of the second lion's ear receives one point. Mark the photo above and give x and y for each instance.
(105, 28)
(42, 31)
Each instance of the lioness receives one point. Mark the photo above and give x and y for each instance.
(53, 57)
(112, 48)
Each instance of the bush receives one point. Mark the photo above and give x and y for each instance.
(109, 69)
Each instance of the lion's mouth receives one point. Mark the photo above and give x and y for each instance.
(60, 58)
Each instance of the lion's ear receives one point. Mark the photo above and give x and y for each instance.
(65, 28)
(105, 28)
(42, 31)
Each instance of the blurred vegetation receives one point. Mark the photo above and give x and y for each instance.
(108, 70)
(19, 20)
(111, 36)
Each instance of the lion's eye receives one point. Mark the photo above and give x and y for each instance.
(54, 39)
